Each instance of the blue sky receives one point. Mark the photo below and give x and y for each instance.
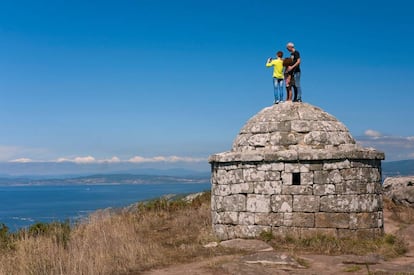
(174, 81)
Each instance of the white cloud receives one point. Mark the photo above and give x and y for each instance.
(372, 133)
(89, 160)
(159, 159)
(63, 160)
(137, 159)
(22, 160)
(186, 159)
(92, 160)
(113, 160)
(140, 159)
(80, 160)
(394, 147)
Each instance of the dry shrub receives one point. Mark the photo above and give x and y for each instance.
(33, 255)
(106, 244)
(158, 233)
(399, 212)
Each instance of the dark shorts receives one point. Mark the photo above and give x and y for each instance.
(292, 79)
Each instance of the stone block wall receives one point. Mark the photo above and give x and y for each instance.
(337, 197)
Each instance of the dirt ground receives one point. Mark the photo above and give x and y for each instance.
(281, 263)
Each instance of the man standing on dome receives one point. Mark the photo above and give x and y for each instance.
(295, 68)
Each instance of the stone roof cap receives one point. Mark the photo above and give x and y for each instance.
(294, 131)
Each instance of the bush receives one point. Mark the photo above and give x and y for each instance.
(6, 241)
(175, 204)
(266, 236)
(58, 231)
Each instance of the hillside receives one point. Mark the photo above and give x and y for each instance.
(175, 237)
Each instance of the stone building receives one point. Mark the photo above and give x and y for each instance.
(296, 169)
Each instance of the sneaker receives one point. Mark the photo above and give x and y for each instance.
(299, 100)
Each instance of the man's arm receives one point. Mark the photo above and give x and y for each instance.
(294, 65)
(297, 55)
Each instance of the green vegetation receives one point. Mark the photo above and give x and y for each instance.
(266, 236)
(59, 232)
(6, 241)
(175, 204)
(353, 268)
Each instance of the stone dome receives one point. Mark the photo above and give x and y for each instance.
(291, 126)
(294, 131)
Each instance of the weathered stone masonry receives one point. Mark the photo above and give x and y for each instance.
(296, 169)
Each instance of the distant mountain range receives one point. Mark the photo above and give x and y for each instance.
(52, 173)
(69, 169)
(104, 179)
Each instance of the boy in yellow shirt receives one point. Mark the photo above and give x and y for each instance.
(277, 76)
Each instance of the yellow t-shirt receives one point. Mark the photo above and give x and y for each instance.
(277, 67)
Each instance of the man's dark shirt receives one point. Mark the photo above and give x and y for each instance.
(295, 56)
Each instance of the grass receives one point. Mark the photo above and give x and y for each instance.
(154, 234)
(150, 235)
(389, 246)
(353, 268)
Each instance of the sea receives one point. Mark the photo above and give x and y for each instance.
(22, 206)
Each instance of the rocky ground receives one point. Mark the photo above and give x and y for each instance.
(259, 258)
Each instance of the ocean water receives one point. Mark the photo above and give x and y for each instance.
(21, 206)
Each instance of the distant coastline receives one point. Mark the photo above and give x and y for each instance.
(110, 179)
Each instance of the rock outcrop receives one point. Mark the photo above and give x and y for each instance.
(400, 190)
